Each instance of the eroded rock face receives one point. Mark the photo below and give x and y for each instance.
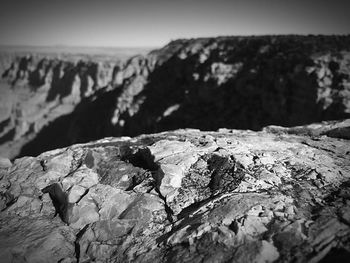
(209, 83)
(279, 195)
(238, 82)
(35, 91)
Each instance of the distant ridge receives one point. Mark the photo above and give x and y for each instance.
(125, 51)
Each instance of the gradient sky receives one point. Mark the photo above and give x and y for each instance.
(156, 22)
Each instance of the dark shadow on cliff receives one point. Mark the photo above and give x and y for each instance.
(268, 89)
(89, 121)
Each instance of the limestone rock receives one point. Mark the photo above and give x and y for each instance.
(279, 195)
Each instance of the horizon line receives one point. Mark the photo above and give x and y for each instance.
(169, 41)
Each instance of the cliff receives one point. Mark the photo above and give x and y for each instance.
(209, 83)
(37, 89)
(239, 82)
(279, 195)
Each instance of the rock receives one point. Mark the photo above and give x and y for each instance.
(5, 163)
(184, 195)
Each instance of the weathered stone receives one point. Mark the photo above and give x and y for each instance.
(5, 163)
(183, 196)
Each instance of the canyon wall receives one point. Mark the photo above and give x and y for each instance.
(209, 83)
(36, 90)
(244, 83)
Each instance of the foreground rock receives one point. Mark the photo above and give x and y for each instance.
(183, 196)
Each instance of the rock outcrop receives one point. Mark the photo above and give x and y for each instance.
(279, 195)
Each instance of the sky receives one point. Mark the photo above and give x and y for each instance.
(150, 23)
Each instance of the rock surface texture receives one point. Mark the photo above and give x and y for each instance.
(279, 195)
(209, 83)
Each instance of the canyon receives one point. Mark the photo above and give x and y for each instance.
(209, 83)
(227, 149)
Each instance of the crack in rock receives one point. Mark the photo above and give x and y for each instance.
(59, 200)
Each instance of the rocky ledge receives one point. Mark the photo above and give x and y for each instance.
(281, 194)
